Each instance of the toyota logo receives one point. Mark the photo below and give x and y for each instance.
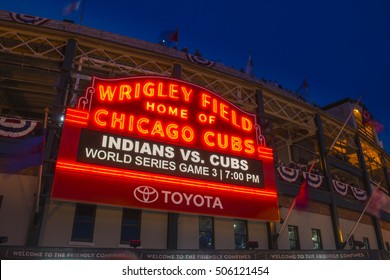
(146, 194)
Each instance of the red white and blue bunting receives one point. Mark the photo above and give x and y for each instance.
(27, 19)
(292, 175)
(340, 187)
(200, 60)
(288, 174)
(14, 128)
(359, 193)
(313, 180)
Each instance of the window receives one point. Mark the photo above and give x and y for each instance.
(206, 232)
(240, 234)
(316, 237)
(131, 225)
(84, 223)
(366, 243)
(293, 237)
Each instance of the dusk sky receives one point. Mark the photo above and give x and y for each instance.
(342, 48)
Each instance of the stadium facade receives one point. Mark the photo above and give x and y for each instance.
(153, 152)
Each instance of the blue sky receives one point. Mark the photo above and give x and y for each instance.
(342, 47)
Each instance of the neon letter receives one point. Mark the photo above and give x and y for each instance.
(173, 90)
(236, 144)
(207, 140)
(191, 135)
(222, 143)
(157, 128)
(246, 124)
(147, 91)
(172, 131)
(108, 93)
(120, 120)
(124, 90)
(205, 99)
(97, 119)
(139, 125)
(186, 93)
(250, 148)
(223, 112)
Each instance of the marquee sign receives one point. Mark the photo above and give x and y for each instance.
(162, 143)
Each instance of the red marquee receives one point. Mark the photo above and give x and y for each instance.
(165, 144)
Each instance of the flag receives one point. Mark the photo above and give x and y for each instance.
(21, 144)
(304, 86)
(303, 90)
(249, 66)
(302, 198)
(379, 202)
(71, 7)
(169, 37)
(368, 119)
